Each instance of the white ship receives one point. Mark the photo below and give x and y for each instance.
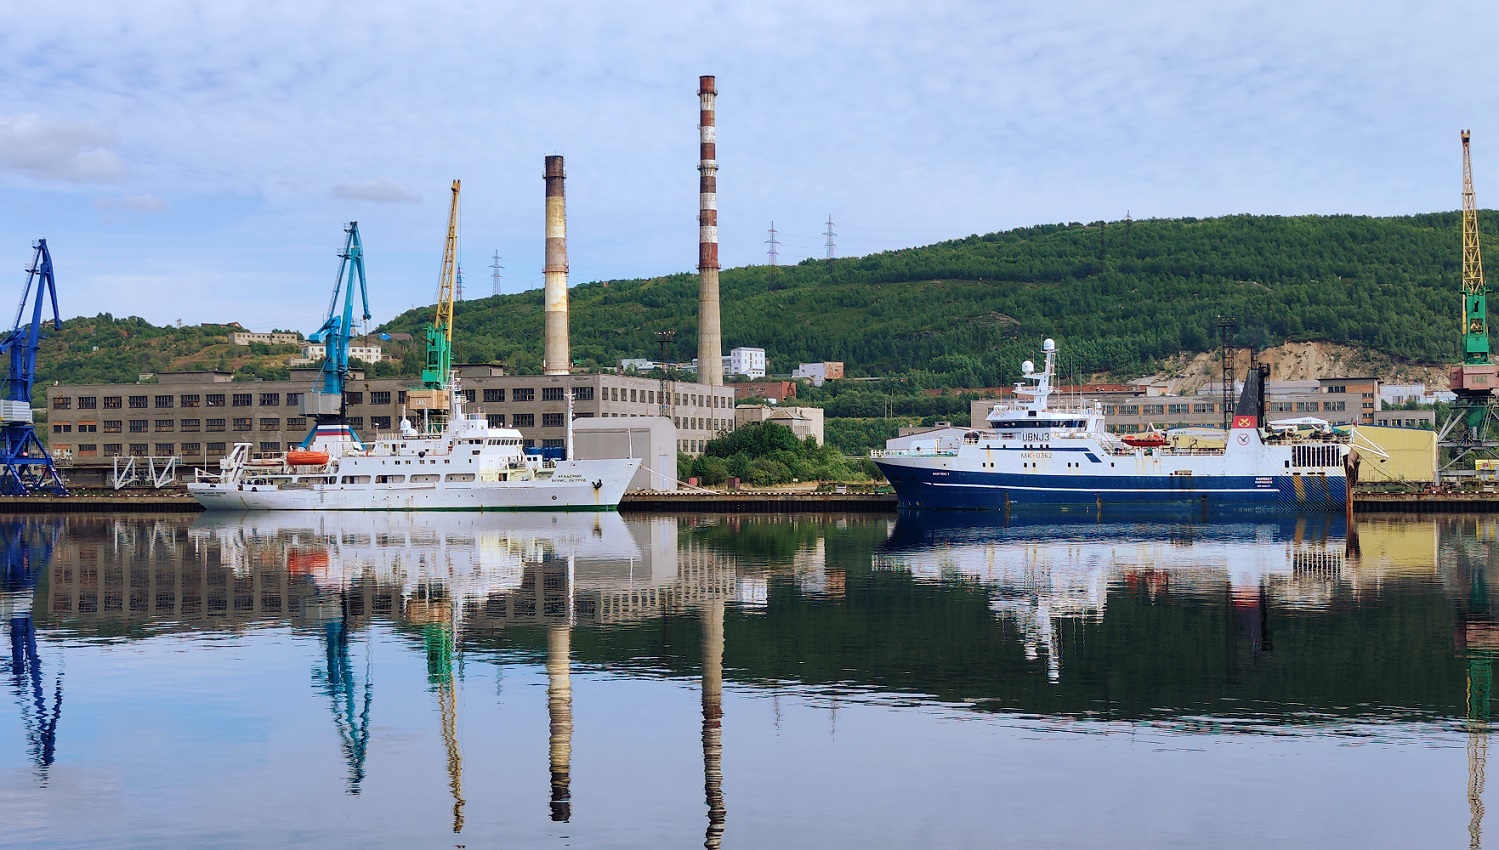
(465, 465)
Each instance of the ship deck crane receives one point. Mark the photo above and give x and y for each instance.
(325, 404)
(27, 467)
(1473, 425)
(434, 397)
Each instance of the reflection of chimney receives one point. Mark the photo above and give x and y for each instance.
(709, 336)
(557, 360)
(713, 613)
(560, 715)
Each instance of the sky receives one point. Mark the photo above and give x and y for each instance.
(197, 161)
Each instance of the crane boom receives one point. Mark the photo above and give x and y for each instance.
(27, 466)
(440, 333)
(326, 401)
(1475, 294)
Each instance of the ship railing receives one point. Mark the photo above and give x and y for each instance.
(933, 452)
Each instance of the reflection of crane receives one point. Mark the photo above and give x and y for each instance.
(27, 468)
(433, 609)
(349, 703)
(1480, 693)
(437, 374)
(325, 404)
(1478, 639)
(23, 557)
(1468, 427)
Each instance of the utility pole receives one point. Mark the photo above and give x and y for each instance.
(495, 268)
(832, 248)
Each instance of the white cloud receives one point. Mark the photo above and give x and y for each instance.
(59, 150)
(381, 190)
(144, 203)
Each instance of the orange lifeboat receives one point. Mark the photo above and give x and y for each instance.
(303, 457)
(1148, 440)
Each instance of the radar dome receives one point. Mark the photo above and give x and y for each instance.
(1049, 345)
(1027, 367)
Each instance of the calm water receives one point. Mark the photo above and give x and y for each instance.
(608, 681)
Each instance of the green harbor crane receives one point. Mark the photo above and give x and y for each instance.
(1473, 425)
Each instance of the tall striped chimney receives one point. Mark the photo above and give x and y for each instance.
(709, 336)
(556, 359)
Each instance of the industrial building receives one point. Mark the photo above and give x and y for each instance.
(1341, 401)
(273, 338)
(804, 422)
(199, 416)
(818, 373)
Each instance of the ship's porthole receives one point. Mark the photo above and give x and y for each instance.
(554, 498)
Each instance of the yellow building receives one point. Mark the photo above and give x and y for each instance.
(1396, 454)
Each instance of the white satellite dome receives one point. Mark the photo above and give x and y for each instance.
(1027, 367)
(1049, 345)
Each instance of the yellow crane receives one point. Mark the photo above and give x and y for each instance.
(434, 395)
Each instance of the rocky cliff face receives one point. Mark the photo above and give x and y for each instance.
(1300, 361)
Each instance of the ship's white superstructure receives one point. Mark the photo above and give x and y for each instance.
(461, 464)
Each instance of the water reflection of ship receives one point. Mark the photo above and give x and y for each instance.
(25, 550)
(469, 581)
(1040, 577)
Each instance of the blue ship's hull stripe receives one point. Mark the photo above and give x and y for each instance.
(947, 488)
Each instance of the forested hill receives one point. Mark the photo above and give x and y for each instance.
(1116, 296)
(962, 313)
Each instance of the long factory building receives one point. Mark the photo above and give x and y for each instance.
(199, 416)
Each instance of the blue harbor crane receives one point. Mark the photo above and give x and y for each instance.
(28, 468)
(325, 404)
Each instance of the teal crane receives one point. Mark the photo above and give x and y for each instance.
(325, 404)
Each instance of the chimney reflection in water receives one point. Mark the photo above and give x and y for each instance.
(560, 716)
(713, 614)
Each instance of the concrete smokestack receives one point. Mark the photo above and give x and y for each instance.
(709, 335)
(557, 359)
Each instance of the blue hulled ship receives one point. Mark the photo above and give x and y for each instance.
(1034, 454)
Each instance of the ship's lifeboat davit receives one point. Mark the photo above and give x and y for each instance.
(306, 457)
(1148, 440)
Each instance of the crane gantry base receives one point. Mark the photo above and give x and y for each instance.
(25, 466)
(1470, 432)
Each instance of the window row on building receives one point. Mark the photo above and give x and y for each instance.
(167, 401)
(269, 414)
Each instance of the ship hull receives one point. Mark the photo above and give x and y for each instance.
(590, 485)
(918, 486)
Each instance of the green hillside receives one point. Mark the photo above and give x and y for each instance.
(965, 313)
(1117, 297)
